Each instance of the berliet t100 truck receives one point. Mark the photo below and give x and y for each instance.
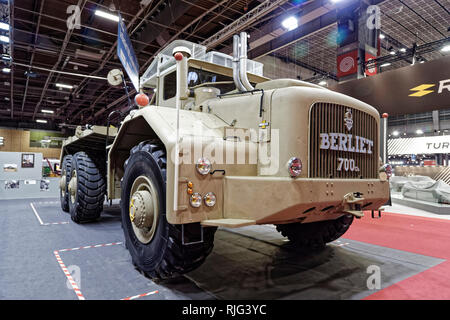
(219, 145)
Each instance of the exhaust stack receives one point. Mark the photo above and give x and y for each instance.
(243, 62)
(237, 80)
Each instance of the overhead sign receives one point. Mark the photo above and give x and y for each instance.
(423, 87)
(347, 63)
(126, 54)
(372, 70)
(420, 145)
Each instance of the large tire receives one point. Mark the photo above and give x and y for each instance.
(162, 255)
(315, 235)
(86, 203)
(65, 178)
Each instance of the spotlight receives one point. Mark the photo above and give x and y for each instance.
(290, 23)
(4, 26)
(4, 39)
(107, 15)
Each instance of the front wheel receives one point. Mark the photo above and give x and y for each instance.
(315, 235)
(154, 244)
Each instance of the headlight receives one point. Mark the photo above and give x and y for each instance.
(388, 169)
(203, 166)
(294, 167)
(195, 200)
(210, 199)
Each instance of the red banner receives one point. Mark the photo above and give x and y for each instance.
(373, 69)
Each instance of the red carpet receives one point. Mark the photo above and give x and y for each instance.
(425, 236)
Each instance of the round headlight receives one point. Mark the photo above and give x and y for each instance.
(195, 200)
(203, 166)
(388, 170)
(294, 167)
(210, 199)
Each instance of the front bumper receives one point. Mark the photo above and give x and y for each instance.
(284, 200)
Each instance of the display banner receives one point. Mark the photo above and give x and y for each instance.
(370, 71)
(126, 54)
(423, 87)
(347, 63)
(419, 145)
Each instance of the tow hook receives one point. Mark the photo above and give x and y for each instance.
(352, 204)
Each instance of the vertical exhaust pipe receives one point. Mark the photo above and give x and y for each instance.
(243, 62)
(236, 55)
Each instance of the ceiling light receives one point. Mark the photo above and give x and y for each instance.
(392, 52)
(402, 50)
(4, 26)
(41, 121)
(395, 133)
(387, 64)
(6, 70)
(323, 83)
(382, 36)
(419, 131)
(107, 15)
(4, 39)
(65, 86)
(446, 48)
(290, 23)
(6, 57)
(47, 111)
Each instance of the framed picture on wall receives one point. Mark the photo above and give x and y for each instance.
(27, 160)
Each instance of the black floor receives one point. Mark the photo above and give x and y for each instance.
(247, 263)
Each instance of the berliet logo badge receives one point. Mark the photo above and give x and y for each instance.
(348, 119)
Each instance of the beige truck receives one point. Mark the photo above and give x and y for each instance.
(219, 145)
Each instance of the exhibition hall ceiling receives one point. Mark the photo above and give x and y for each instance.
(47, 39)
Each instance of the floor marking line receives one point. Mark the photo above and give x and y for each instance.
(88, 247)
(69, 276)
(36, 214)
(141, 295)
(40, 220)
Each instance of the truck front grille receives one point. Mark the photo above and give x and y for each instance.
(326, 118)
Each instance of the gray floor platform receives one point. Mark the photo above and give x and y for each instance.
(247, 263)
(441, 209)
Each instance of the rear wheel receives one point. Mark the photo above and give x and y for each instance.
(64, 182)
(86, 189)
(154, 244)
(315, 235)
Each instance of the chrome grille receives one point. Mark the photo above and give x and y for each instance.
(329, 117)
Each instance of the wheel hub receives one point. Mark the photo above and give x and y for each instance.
(72, 187)
(141, 209)
(62, 183)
